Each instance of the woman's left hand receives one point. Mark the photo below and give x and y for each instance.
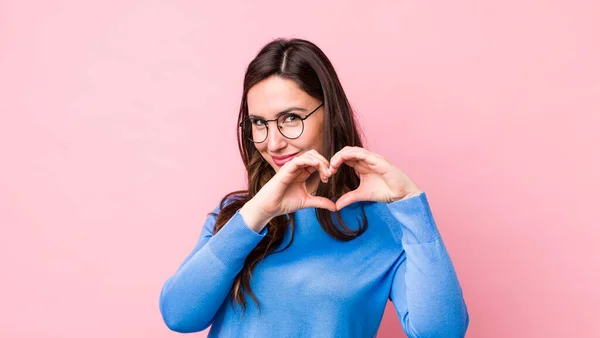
(380, 181)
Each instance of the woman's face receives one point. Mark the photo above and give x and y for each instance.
(273, 95)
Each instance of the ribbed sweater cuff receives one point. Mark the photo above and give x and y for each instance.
(416, 219)
(234, 241)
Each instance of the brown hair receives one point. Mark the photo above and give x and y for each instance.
(303, 62)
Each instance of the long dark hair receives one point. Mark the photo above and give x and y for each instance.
(303, 62)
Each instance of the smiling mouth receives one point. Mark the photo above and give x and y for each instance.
(280, 158)
(283, 159)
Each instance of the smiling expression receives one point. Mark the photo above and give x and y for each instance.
(273, 95)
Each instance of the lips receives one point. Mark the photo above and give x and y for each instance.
(281, 160)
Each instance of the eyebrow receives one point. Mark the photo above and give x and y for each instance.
(281, 112)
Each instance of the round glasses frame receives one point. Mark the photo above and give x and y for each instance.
(266, 122)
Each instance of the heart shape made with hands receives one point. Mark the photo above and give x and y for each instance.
(380, 180)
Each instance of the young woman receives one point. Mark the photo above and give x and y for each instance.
(326, 231)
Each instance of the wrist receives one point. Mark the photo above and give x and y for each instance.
(408, 194)
(254, 216)
(412, 193)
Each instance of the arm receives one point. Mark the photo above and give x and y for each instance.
(425, 288)
(191, 297)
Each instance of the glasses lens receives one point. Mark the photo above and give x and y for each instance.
(291, 125)
(255, 130)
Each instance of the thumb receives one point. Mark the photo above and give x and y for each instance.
(348, 198)
(320, 202)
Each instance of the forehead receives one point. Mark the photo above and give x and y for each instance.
(275, 94)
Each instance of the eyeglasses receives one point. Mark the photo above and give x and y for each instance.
(290, 125)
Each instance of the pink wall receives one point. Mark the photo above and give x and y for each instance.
(110, 114)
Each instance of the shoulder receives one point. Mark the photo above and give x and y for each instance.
(228, 199)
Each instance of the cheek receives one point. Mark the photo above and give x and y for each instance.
(262, 149)
(312, 132)
(317, 136)
(316, 140)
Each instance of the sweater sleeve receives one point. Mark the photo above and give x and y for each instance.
(191, 297)
(425, 289)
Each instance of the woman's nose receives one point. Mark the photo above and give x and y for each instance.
(274, 138)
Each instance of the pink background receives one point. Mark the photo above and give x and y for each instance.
(111, 113)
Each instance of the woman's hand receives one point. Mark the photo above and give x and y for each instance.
(380, 180)
(286, 191)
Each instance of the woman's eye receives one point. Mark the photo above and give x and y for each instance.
(291, 118)
(258, 122)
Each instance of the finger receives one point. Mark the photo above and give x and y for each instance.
(323, 165)
(349, 198)
(338, 158)
(319, 156)
(360, 166)
(301, 164)
(320, 202)
(350, 158)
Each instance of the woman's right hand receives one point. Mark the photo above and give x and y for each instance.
(286, 191)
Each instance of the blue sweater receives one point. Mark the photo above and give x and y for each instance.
(321, 287)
